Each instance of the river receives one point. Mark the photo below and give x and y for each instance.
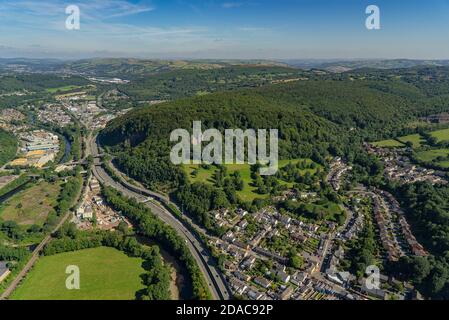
(180, 288)
(68, 149)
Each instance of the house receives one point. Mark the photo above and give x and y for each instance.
(94, 185)
(298, 278)
(80, 212)
(242, 245)
(248, 262)
(283, 276)
(262, 282)
(254, 295)
(242, 212)
(286, 294)
(4, 271)
(238, 286)
(229, 236)
(377, 293)
(98, 201)
(243, 224)
(242, 276)
(228, 265)
(88, 213)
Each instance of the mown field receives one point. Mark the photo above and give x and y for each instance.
(430, 155)
(63, 89)
(105, 274)
(32, 205)
(390, 143)
(441, 135)
(416, 139)
(249, 192)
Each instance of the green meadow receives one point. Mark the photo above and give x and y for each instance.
(416, 139)
(249, 192)
(390, 143)
(105, 274)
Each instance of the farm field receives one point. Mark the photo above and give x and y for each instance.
(444, 164)
(32, 205)
(249, 192)
(63, 89)
(390, 143)
(416, 139)
(430, 155)
(105, 274)
(441, 135)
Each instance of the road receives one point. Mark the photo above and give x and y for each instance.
(31, 262)
(212, 274)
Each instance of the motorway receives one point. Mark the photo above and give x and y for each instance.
(212, 274)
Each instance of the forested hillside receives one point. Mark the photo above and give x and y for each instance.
(360, 105)
(185, 83)
(22, 89)
(316, 118)
(8, 147)
(141, 139)
(37, 82)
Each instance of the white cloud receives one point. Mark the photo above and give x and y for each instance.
(231, 5)
(253, 29)
(97, 10)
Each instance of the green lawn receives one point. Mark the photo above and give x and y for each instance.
(105, 274)
(388, 144)
(249, 192)
(32, 205)
(444, 164)
(63, 89)
(206, 176)
(441, 135)
(430, 155)
(330, 211)
(416, 139)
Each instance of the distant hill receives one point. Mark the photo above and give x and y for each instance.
(348, 65)
(184, 83)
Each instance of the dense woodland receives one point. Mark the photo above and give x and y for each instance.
(427, 210)
(141, 139)
(8, 147)
(186, 83)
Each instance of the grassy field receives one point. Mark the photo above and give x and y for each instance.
(32, 205)
(388, 144)
(444, 164)
(330, 211)
(249, 192)
(416, 139)
(441, 135)
(206, 176)
(105, 274)
(430, 155)
(63, 89)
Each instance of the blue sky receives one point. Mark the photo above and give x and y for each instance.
(277, 29)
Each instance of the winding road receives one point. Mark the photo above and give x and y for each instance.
(212, 274)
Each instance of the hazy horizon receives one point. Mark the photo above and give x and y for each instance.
(241, 29)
